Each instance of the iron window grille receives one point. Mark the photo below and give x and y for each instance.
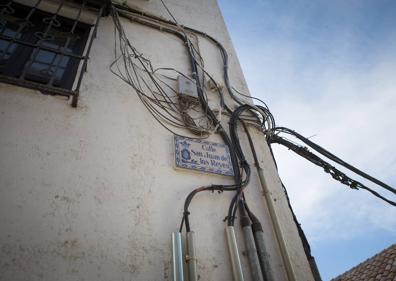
(46, 51)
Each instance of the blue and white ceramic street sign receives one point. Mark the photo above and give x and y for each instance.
(203, 156)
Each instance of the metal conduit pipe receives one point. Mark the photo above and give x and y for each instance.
(191, 258)
(234, 254)
(250, 246)
(177, 257)
(278, 233)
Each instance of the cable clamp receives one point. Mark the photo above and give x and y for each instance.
(219, 188)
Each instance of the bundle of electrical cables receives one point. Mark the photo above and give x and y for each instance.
(155, 89)
(276, 135)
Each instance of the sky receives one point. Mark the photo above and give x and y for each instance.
(327, 69)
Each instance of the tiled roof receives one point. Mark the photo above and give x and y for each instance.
(381, 267)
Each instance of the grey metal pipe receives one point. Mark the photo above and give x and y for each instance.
(177, 257)
(263, 255)
(191, 257)
(275, 222)
(251, 252)
(234, 254)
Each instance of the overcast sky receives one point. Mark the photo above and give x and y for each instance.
(327, 69)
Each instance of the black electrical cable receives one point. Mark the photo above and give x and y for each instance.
(271, 120)
(223, 51)
(334, 172)
(334, 158)
(212, 116)
(157, 101)
(235, 149)
(231, 145)
(235, 118)
(187, 202)
(183, 28)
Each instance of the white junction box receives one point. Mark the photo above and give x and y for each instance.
(187, 87)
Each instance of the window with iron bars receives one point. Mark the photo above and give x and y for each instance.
(45, 50)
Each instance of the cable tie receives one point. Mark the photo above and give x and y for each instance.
(186, 213)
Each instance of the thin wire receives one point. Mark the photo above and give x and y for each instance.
(260, 115)
(137, 71)
(169, 12)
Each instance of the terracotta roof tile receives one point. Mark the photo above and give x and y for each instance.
(381, 267)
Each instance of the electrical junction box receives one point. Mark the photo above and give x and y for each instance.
(186, 87)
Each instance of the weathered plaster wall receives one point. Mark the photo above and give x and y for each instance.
(90, 193)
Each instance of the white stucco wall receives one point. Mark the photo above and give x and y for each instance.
(90, 193)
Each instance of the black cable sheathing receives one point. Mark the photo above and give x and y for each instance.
(244, 218)
(205, 35)
(234, 146)
(334, 158)
(235, 118)
(232, 210)
(333, 171)
(205, 106)
(187, 202)
(256, 161)
(256, 226)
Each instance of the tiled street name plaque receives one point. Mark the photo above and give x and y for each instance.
(203, 156)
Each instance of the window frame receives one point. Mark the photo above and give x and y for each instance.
(71, 78)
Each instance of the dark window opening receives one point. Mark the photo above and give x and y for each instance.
(44, 51)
